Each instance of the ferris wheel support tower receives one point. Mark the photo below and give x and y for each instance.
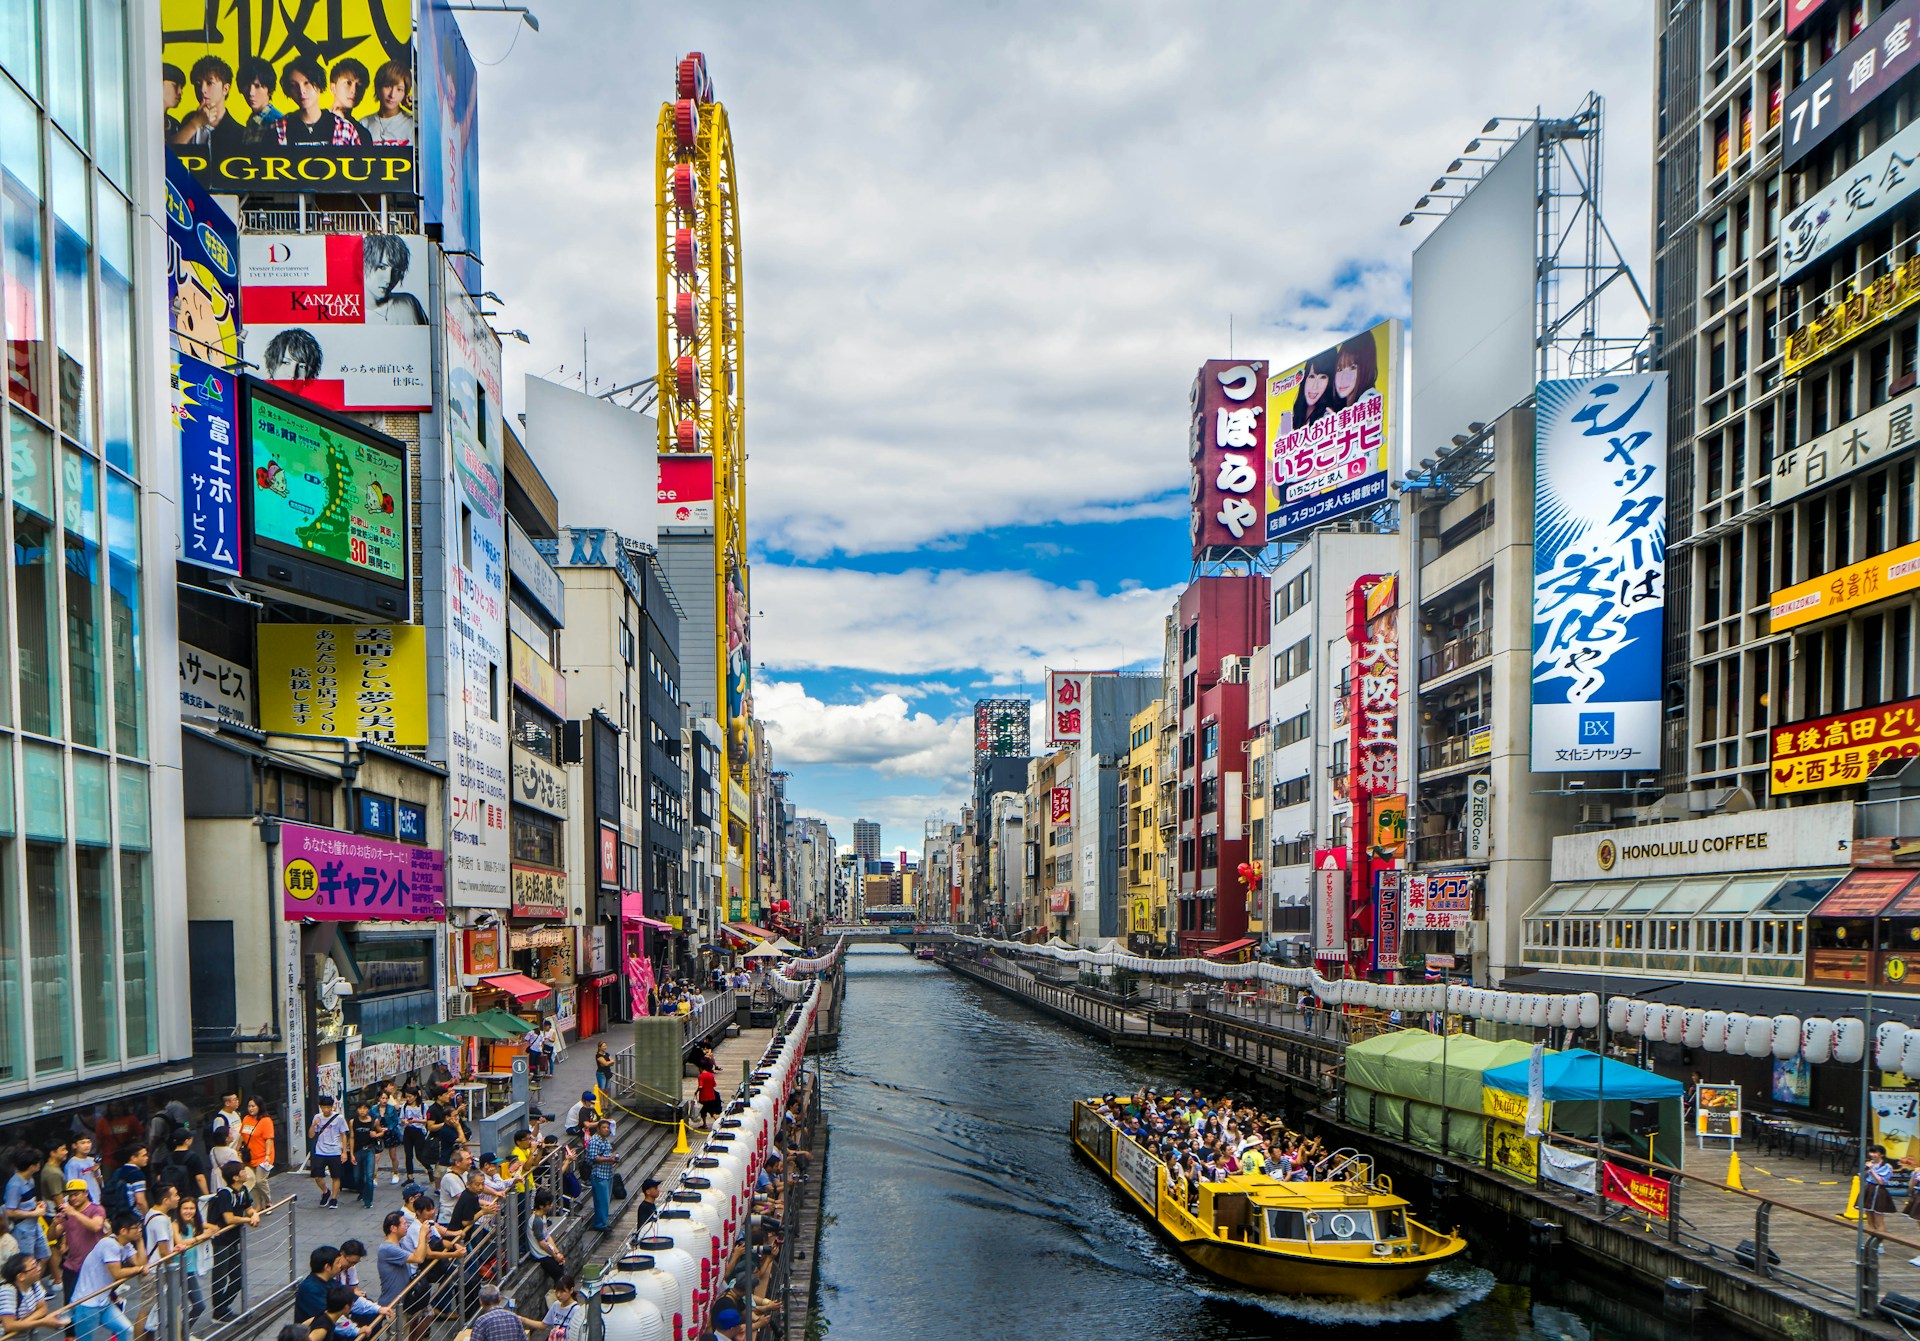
(701, 412)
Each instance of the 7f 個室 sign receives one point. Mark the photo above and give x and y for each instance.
(1599, 572)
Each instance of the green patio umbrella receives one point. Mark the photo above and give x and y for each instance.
(414, 1036)
(480, 1026)
(506, 1019)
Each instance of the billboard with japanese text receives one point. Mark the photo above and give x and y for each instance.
(330, 876)
(1226, 452)
(450, 139)
(1871, 439)
(1858, 584)
(1859, 196)
(206, 419)
(1859, 72)
(1599, 572)
(1440, 901)
(1332, 422)
(340, 319)
(345, 681)
(261, 95)
(1839, 751)
(1068, 706)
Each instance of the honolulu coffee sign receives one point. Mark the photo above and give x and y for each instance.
(1806, 837)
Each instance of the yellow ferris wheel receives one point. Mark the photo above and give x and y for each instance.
(702, 386)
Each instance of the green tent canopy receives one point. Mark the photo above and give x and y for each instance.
(1398, 1083)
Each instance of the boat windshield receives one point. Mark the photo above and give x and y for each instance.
(1342, 1226)
(1286, 1224)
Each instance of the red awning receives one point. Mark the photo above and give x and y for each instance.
(1865, 893)
(748, 931)
(646, 921)
(518, 986)
(1228, 948)
(604, 980)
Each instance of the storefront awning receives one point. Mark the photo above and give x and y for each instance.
(747, 931)
(1228, 948)
(603, 980)
(1699, 993)
(518, 986)
(646, 921)
(1864, 893)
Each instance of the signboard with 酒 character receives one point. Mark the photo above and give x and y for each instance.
(1839, 751)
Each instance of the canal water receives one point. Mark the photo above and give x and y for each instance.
(955, 1207)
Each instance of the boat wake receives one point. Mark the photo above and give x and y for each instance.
(1448, 1290)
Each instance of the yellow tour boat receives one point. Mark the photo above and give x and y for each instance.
(1347, 1237)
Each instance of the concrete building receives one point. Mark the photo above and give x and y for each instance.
(1221, 620)
(1006, 861)
(1305, 672)
(1145, 865)
(866, 842)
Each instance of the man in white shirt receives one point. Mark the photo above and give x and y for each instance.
(224, 1133)
(326, 1132)
(112, 1260)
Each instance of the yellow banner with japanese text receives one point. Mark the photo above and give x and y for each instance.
(1858, 584)
(1843, 319)
(1839, 751)
(365, 681)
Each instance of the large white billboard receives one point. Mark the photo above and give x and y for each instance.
(1474, 313)
(600, 458)
(1599, 572)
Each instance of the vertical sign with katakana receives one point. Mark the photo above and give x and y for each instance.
(1069, 700)
(207, 420)
(1226, 454)
(1599, 572)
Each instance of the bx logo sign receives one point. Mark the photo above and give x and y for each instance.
(1596, 728)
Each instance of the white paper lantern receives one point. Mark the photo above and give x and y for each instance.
(1786, 1036)
(1713, 1031)
(1618, 1008)
(1589, 1010)
(1737, 1032)
(1910, 1054)
(1887, 1042)
(624, 1316)
(1557, 1007)
(1849, 1041)
(1676, 1024)
(1636, 1018)
(1540, 1012)
(1760, 1035)
(1693, 1027)
(1816, 1040)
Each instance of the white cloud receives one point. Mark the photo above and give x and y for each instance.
(1009, 625)
(986, 247)
(879, 732)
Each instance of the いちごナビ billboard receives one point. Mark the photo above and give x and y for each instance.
(1599, 572)
(1330, 422)
(261, 95)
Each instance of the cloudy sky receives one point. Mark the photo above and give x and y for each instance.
(987, 245)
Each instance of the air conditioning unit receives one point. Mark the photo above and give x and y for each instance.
(1233, 670)
(458, 1004)
(1473, 940)
(1595, 812)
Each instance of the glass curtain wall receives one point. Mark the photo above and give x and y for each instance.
(76, 922)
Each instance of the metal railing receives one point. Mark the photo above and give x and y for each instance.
(329, 221)
(1456, 654)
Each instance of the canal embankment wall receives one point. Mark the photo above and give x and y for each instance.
(1706, 1284)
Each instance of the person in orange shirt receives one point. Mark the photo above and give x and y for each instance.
(257, 1148)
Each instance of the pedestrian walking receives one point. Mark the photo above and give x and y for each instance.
(536, 1043)
(707, 1090)
(111, 1260)
(600, 1164)
(1876, 1196)
(326, 1136)
(24, 1208)
(556, 1042)
(364, 1140)
(387, 1109)
(223, 1131)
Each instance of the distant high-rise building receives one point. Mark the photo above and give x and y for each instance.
(1001, 728)
(866, 840)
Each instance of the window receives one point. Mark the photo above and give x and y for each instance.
(1293, 852)
(1209, 851)
(296, 796)
(1209, 795)
(1292, 792)
(1210, 740)
(1293, 729)
(1292, 663)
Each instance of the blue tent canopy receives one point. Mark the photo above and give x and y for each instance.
(1579, 1074)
